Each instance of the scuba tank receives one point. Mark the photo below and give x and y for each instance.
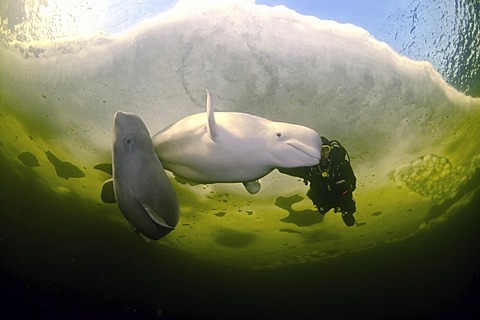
(338, 155)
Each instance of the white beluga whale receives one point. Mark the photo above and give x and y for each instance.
(228, 147)
(142, 190)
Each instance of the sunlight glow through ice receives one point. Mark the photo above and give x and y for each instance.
(37, 22)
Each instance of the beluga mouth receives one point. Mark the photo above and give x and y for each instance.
(308, 150)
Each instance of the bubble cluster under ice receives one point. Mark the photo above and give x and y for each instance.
(434, 176)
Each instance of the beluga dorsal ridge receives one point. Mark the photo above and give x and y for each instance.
(229, 147)
(142, 190)
(211, 124)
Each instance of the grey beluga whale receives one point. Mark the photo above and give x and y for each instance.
(229, 147)
(141, 187)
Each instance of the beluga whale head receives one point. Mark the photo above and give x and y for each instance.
(290, 145)
(129, 134)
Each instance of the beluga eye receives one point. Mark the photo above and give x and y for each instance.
(129, 141)
(278, 134)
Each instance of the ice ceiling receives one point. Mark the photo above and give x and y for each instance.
(412, 138)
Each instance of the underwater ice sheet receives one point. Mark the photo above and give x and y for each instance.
(411, 136)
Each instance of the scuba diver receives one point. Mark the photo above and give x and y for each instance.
(332, 181)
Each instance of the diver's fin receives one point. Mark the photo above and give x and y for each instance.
(108, 193)
(155, 216)
(252, 186)
(211, 124)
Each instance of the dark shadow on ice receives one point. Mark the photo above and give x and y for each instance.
(105, 167)
(439, 209)
(302, 218)
(184, 181)
(64, 169)
(28, 159)
(234, 239)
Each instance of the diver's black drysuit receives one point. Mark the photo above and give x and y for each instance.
(332, 182)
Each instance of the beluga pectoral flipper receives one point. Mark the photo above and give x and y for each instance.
(223, 147)
(142, 190)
